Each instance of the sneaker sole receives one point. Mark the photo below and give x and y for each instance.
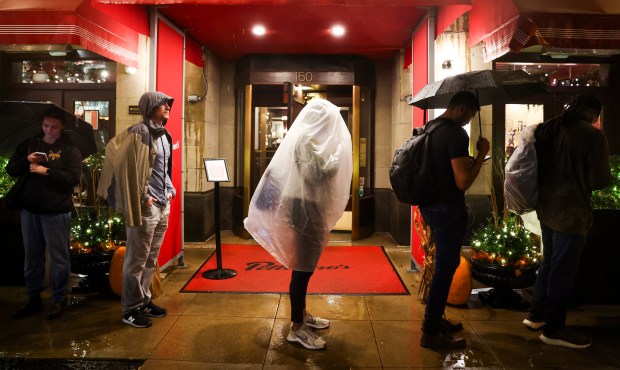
(136, 325)
(533, 325)
(298, 340)
(310, 325)
(152, 315)
(562, 343)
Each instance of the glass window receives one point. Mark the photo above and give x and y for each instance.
(97, 113)
(518, 116)
(563, 74)
(67, 71)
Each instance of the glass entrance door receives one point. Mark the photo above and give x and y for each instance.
(264, 116)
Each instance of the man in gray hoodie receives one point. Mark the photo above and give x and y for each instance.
(136, 181)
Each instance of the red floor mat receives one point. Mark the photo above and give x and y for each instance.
(341, 270)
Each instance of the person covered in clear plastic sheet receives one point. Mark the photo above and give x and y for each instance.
(565, 212)
(299, 199)
(136, 181)
(49, 166)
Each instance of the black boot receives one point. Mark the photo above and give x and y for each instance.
(33, 305)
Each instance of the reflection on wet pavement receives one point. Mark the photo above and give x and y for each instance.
(248, 331)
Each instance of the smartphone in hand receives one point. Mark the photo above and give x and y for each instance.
(41, 155)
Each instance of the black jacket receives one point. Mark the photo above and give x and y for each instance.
(52, 193)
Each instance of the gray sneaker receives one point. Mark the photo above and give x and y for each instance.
(316, 322)
(306, 337)
(565, 338)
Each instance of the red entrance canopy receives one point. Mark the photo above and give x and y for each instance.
(112, 33)
(511, 25)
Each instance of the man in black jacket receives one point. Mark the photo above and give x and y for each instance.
(51, 167)
(573, 160)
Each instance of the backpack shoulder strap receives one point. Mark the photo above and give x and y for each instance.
(438, 123)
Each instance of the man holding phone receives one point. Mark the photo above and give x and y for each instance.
(49, 166)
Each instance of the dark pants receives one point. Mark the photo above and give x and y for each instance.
(41, 233)
(297, 291)
(554, 283)
(448, 224)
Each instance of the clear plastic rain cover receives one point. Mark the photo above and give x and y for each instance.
(305, 188)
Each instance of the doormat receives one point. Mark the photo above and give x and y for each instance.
(341, 270)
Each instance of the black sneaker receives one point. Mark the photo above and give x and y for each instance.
(33, 306)
(565, 338)
(450, 326)
(443, 341)
(55, 309)
(151, 309)
(137, 319)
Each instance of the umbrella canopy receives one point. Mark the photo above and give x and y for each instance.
(491, 87)
(20, 120)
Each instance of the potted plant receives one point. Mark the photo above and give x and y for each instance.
(96, 230)
(505, 256)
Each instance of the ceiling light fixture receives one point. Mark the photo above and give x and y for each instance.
(338, 30)
(259, 30)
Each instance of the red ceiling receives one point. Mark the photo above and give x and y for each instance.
(374, 28)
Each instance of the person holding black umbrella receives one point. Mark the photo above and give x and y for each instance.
(446, 214)
(48, 166)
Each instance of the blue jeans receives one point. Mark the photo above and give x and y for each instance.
(52, 231)
(448, 224)
(556, 274)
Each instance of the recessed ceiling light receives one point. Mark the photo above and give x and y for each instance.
(259, 30)
(338, 30)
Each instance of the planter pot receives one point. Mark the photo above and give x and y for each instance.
(96, 267)
(597, 278)
(12, 265)
(504, 279)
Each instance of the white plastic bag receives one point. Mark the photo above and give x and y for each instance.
(521, 175)
(304, 189)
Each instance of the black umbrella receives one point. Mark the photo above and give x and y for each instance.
(491, 87)
(20, 120)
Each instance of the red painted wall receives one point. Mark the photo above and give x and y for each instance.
(420, 79)
(169, 77)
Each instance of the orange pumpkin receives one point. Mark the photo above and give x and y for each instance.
(460, 290)
(116, 270)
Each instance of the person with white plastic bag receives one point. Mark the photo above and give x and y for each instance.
(521, 174)
(299, 199)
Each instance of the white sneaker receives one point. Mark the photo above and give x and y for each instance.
(533, 324)
(306, 337)
(316, 322)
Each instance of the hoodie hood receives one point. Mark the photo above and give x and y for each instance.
(150, 100)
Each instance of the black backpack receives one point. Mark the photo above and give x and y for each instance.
(411, 174)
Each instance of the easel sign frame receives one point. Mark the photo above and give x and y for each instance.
(216, 169)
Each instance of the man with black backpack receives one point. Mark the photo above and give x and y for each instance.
(573, 160)
(445, 212)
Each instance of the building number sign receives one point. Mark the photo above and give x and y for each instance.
(303, 77)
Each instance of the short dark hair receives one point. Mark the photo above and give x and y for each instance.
(466, 98)
(55, 113)
(579, 104)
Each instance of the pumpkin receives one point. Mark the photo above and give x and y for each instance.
(460, 290)
(116, 270)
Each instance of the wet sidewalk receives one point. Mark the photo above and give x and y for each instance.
(248, 331)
